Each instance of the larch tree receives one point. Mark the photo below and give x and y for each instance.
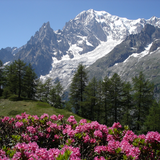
(77, 87)
(143, 98)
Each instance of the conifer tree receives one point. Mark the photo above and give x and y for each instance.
(127, 107)
(19, 80)
(20, 68)
(90, 100)
(40, 90)
(106, 98)
(29, 82)
(10, 85)
(143, 99)
(1, 77)
(116, 94)
(56, 94)
(99, 106)
(77, 87)
(153, 119)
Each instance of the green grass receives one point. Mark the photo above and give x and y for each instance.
(12, 108)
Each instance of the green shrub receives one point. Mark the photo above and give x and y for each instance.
(13, 98)
(6, 93)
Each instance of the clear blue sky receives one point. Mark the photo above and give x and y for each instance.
(20, 19)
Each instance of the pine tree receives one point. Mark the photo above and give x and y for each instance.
(143, 99)
(127, 107)
(106, 98)
(20, 68)
(19, 80)
(29, 82)
(56, 94)
(99, 105)
(116, 94)
(40, 90)
(153, 119)
(77, 88)
(1, 78)
(90, 100)
(10, 85)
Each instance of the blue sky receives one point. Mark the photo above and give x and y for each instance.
(20, 19)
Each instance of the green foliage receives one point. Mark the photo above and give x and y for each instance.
(19, 80)
(89, 100)
(14, 112)
(56, 94)
(6, 93)
(127, 103)
(143, 99)
(65, 156)
(116, 94)
(153, 119)
(77, 87)
(14, 98)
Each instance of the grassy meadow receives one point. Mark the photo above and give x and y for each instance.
(12, 108)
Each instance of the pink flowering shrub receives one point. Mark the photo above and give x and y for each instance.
(49, 138)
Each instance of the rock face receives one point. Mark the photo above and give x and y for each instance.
(139, 52)
(88, 37)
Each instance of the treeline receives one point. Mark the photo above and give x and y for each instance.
(112, 100)
(106, 101)
(19, 81)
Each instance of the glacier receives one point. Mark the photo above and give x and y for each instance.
(99, 24)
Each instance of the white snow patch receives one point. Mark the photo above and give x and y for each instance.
(75, 49)
(6, 63)
(64, 69)
(140, 55)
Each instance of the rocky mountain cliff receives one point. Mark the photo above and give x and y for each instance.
(88, 37)
(139, 52)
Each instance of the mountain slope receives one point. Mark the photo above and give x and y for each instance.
(88, 37)
(139, 52)
(92, 35)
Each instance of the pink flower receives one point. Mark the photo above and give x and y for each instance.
(110, 138)
(26, 137)
(103, 128)
(18, 124)
(60, 117)
(72, 120)
(142, 136)
(93, 140)
(19, 117)
(49, 129)
(54, 117)
(99, 149)
(152, 137)
(116, 125)
(83, 121)
(129, 136)
(31, 129)
(86, 139)
(113, 145)
(24, 115)
(98, 134)
(5, 119)
(47, 135)
(44, 115)
(101, 158)
(56, 136)
(35, 117)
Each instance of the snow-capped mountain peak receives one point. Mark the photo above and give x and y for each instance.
(84, 39)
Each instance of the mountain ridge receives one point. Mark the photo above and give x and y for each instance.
(88, 37)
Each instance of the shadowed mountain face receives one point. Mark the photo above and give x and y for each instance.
(85, 39)
(139, 52)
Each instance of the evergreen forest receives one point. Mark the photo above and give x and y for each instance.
(110, 100)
